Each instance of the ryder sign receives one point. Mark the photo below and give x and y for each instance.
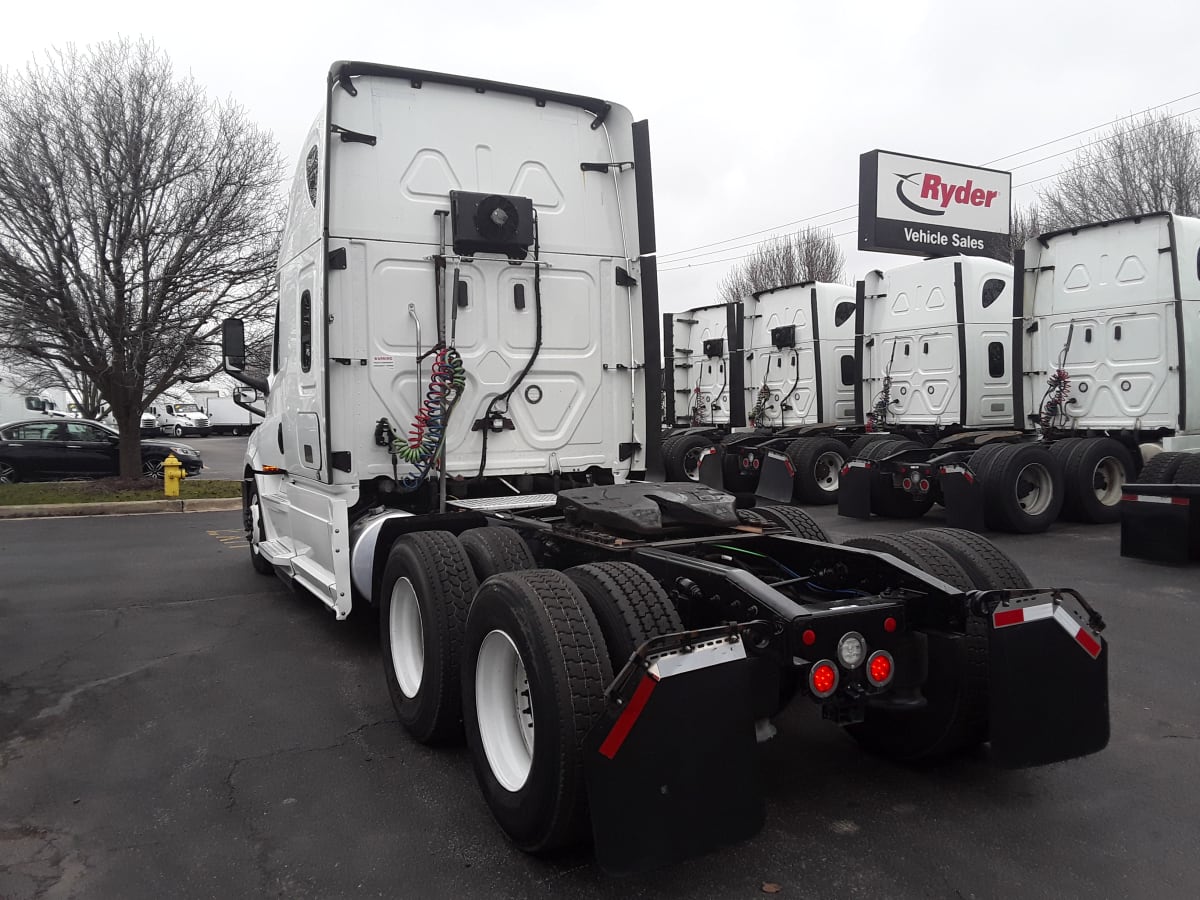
(910, 204)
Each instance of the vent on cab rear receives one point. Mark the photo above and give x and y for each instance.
(715, 348)
(491, 223)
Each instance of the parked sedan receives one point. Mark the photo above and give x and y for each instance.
(49, 449)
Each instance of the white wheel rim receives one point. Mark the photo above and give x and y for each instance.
(691, 462)
(828, 470)
(1034, 489)
(406, 638)
(1107, 479)
(255, 520)
(7, 473)
(504, 709)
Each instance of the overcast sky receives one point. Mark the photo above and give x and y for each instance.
(758, 110)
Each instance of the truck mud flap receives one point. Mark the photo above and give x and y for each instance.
(776, 479)
(712, 468)
(671, 768)
(962, 497)
(1047, 677)
(854, 489)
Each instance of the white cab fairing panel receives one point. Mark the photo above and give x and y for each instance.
(576, 406)
(912, 331)
(1103, 299)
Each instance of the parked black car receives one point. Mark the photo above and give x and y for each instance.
(49, 449)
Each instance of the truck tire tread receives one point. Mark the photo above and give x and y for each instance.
(493, 550)
(630, 606)
(440, 571)
(797, 521)
(987, 565)
(559, 639)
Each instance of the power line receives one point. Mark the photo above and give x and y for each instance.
(676, 256)
(760, 231)
(1082, 166)
(1093, 128)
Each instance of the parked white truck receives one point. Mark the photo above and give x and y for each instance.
(233, 413)
(789, 353)
(178, 417)
(461, 441)
(1038, 397)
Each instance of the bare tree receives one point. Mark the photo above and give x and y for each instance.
(1027, 222)
(1140, 165)
(135, 214)
(808, 255)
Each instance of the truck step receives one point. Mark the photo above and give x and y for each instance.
(519, 501)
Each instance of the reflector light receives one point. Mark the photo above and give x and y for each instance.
(845, 470)
(879, 668)
(823, 678)
(889, 624)
(809, 637)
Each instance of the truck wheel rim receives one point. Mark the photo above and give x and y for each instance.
(7, 474)
(1107, 479)
(828, 470)
(406, 637)
(691, 463)
(504, 709)
(1035, 489)
(153, 468)
(255, 527)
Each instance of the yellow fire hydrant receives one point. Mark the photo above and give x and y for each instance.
(172, 474)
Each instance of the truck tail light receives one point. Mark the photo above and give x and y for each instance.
(880, 668)
(823, 678)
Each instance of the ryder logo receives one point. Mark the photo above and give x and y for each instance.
(938, 195)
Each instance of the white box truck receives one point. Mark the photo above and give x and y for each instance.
(461, 441)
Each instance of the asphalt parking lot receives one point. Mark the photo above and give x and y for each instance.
(224, 456)
(172, 724)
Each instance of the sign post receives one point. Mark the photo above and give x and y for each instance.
(929, 207)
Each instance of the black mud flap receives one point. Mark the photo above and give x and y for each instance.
(962, 497)
(854, 489)
(712, 468)
(672, 767)
(1161, 522)
(776, 479)
(1048, 677)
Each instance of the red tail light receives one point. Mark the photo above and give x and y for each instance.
(880, 668)
(924, 485)
(823, 678)
(907, 484)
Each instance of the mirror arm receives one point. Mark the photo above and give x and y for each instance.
(255, 381)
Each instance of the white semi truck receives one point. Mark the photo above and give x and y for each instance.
(461, 442)
(1039, 396)
(229, 412)
(790, 355)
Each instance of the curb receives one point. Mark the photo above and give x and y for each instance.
(124, 508)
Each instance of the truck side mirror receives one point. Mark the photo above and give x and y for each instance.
(233, 344)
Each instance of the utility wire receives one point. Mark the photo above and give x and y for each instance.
(668, 261)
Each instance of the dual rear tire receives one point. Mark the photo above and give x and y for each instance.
(517, 662)
(954, 717)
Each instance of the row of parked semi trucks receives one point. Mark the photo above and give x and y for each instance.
(1011, 394)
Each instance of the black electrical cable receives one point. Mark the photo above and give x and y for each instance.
(537, 347)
